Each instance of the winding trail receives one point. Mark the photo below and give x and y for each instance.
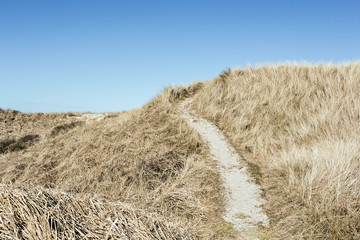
(243, 207)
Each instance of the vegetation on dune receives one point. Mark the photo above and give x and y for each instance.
(148, 159)
(47, 214)
(64, 128)
(15, 125)
(11, 145)
(145, 174)
(300, 126)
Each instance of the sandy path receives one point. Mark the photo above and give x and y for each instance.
(243, 207)
(91, 117)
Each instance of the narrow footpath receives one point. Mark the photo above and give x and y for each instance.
(243, 206)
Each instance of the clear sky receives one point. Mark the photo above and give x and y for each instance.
(84, 55)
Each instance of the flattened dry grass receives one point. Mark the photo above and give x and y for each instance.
(148, 159)
(300, 126)
(46, 214)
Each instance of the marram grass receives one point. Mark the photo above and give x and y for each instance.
(300, 124)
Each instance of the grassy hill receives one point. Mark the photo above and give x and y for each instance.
(145, 174)
(299, 129)
(142, 174)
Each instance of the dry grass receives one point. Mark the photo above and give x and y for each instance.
(14, 124)
(145, 174)
(148, 159)
(44, 214)
(300, 126)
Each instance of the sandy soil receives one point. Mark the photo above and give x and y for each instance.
(243, 207)
(91, 117)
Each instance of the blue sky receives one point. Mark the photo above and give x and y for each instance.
(60, 56)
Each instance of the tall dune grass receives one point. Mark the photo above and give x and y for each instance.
(148, 159)
(301, 126)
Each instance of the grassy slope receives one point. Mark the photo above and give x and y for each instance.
(147, 168)
(300, 126)
(145, 174)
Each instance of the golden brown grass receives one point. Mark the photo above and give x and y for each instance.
(147, 168)
(145, 174)
(14, 124)
(300, 126)
(46, 214)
